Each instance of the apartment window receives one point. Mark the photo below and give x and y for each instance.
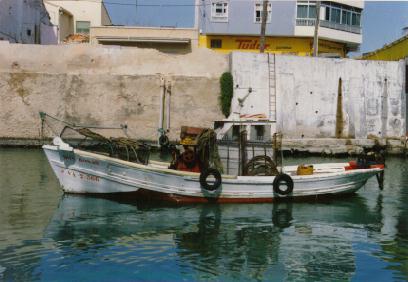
(306, 10)
(346, 17)
(327, 16)
(355, 19)
(83, 27)
(312, 11)
(219, 11)
(258, 12)
(341, 14)
(216, 43)
(302, 11)
(335, 15)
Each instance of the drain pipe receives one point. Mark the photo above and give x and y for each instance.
(162, 100)
(168, 91)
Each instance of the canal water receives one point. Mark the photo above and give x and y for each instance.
(48, 236)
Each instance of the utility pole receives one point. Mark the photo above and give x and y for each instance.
(316, 31)
(135, 12)
(197, 14)
(264, 15)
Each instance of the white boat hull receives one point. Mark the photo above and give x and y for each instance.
(88, 173)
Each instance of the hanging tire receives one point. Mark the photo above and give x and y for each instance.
(283, 180)
(163, 140)
(203, 179)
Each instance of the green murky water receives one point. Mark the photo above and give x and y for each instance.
(47, 236)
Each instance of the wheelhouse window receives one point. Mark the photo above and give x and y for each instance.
(260, 132)
(219, 11)
(83, 27)
(258, 12)
(236, 132)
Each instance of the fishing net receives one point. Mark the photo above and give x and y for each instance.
(208, 150)
(91, 138)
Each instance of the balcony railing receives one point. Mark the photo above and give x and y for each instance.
(343, 27)
(328, 24)
(305, 22)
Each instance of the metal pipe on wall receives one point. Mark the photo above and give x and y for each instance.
(162, 100)
(168, 91)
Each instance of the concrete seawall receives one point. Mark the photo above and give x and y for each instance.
(110, 86)
(105, 86)
(323, 105)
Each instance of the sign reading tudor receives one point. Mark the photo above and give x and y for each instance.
(249, 44)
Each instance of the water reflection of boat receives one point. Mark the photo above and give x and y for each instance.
(282, 239)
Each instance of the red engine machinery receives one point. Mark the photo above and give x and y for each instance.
(189, 159)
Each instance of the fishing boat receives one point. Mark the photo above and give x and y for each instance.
(195, 174)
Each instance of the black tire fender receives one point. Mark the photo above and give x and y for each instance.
(203, 179)
(283, 180)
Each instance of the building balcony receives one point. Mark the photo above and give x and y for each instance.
(328, 24)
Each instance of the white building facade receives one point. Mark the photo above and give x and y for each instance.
(76, 16)
(25, 21)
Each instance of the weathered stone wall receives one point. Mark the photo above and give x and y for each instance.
(105, 86)
(321, 98)
(340, 98)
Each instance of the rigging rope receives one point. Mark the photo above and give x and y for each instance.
(208, 150)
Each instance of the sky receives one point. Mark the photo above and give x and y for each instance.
(173, 13)
(382, 23)
(382, 20)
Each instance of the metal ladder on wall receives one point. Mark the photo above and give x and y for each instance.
(272, 87)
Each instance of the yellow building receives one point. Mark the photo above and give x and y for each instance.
(277, 45)
(227, 25)
(394, 51)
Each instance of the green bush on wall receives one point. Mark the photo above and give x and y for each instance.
(227, 89)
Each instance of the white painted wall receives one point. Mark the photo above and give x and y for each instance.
(373, 95)
(61, 19)
(21, 21)
(82, 10)
(373, 101)
(250, 71)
